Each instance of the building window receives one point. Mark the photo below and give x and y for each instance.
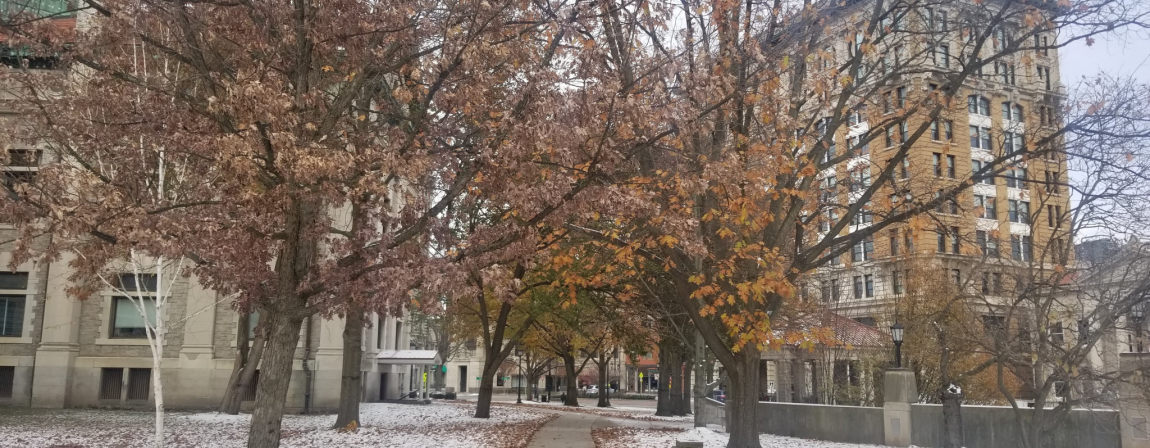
(950, 167)
(12, 303)
(12, 315)
(858, 286)
(863, 250)
(978, 105)
(860, 178)
(111, 383)
(253, 320)
(941, 55)
(956, 276)
(1053, 180)
(948, 205)
(139, 384)
(22, 166)
(987, 243)
(894, 242)
(1019, 211)
(864, 216)
(986, 283)
(1053, 215)
(14, 280)
(986, 206)
(7, 381)
(954, 240)
(941, 241)
(981, 177)
(1020, 247)
(868, 285)
(1013, 142)
(1044, 76)
(830, 290)
(822, 129)
(896, 282)
(250, 391)
(937, 164)
(127, 321)
(1016, 178)
(1011, 111)
(901, 92)
(1057, 334)
(980, 138)
(1005, 72)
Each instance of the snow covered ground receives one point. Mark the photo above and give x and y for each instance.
(442, 425)
(627, 438)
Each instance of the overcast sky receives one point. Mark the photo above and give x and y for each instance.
(1125, 54)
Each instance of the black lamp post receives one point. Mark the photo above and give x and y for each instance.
(896, 335)
(519, 390)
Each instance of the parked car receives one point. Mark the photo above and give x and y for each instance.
(593, 389)
(719, 395)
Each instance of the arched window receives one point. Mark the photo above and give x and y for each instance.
(1011, 111)
(978, 105)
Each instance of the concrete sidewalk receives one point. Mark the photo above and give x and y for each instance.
(573, 429)
(570, 430)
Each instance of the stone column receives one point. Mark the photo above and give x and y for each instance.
(60, 340)
(328, 363)
(783, 381)
(899, 392)
(799, 380)
(200, 384)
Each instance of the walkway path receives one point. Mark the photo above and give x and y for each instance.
(570, 430)
(573, 429)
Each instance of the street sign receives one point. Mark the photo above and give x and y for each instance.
(478, 378)
(444, 368)
(640, 375)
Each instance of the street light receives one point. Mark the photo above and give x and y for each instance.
(896, 335)
(519, 390)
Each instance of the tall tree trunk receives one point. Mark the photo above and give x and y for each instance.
(486, 390)
(700, 389)
(286, 312)
(275, 377)
(491, 363)
(743, 399)
(685, 389)
(351, 385)
(675, 382)
(572, 381)
(951, 418)
(234, 396)
(604, 385)
(663, 406)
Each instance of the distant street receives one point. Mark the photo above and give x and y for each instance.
(585, 402)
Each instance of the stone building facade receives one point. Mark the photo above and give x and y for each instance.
(57, 351)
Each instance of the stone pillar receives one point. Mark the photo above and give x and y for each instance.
(59, 343)
(798, 380)
(200, 384)
(783, 381)
(899, 392)
(328, 363)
